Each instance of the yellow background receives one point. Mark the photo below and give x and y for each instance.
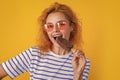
(101, 30)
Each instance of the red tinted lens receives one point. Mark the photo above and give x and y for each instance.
(49, 27)
(61, 25)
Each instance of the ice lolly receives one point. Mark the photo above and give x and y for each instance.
(67, 45)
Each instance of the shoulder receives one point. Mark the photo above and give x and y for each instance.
(87, 62)
(31, 52)
(34, 50)
(87, 65)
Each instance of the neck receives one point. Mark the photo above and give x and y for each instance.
(59, 50)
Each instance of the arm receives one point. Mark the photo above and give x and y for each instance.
(2, 72)
(16, 65)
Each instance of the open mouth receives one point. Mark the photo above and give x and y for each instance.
(55, 37)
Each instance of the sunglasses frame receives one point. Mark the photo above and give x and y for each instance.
(60, 25)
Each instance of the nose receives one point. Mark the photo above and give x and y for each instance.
(56, 29)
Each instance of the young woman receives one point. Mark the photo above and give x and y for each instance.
(49, 60)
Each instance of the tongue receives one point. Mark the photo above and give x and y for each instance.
(65, 44)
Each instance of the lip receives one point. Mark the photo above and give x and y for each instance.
(57, 35)
(54, 37)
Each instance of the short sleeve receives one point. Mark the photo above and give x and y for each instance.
(86, 70)
(18, 64)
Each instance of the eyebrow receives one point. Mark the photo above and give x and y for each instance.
(58, 21)
(62, 21)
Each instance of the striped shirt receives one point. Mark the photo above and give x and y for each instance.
(43, 67)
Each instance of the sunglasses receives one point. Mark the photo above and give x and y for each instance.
(60, 25)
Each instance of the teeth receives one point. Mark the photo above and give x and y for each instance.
(57, 36)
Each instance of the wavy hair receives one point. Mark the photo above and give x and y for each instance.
(44, 42)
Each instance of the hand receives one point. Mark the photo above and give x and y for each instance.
(78, 63)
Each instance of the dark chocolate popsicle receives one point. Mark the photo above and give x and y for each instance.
(65, 44)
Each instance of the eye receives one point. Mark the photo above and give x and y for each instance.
(49, 27)
(62, 25)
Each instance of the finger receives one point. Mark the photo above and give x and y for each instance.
(73, 50)
(79, 53)
(76, 54)
(82, 60)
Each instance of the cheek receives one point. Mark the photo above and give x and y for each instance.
(66, 34)
(49, 34)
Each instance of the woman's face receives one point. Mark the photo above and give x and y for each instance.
(57, 26)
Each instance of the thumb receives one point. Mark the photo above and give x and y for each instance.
(74, 54)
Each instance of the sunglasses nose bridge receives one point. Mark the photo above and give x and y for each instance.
(56, 27)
